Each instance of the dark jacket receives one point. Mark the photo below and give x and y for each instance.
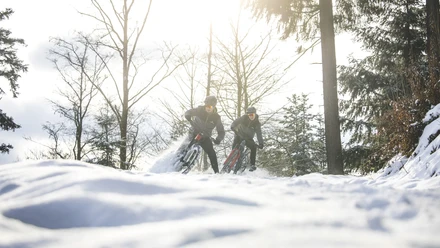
(246, 128)
(205, 122)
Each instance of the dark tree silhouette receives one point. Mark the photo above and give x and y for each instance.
(10, 69)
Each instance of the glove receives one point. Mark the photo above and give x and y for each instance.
(217, 141)
(260, 146)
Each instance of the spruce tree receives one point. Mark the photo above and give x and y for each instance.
(105, 142)
(298, 134)
(296, 147)
(384, 83)
(10, 69)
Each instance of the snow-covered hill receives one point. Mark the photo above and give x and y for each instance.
(424, 163)
(73, 204)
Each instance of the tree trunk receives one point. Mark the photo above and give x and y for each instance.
(208, 86)
(331, 110)
(124, 117)
(407, 32)
(433, 43)
(238, 74)
(123, 141)
(78, 142)
(204, 165)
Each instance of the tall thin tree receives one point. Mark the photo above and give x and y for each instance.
(304, 18)
(208, 86)
(331, 111)
(122, 35)
(433, 47)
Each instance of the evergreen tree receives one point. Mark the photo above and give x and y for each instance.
(383, 87)
(318, 143)
(6, 123)
(105, 143)
(297, 145)
(10, 68)
(298, 132)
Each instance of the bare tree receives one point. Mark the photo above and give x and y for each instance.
(80, 71)
(186, 91)
(57, 148)
(122, 34)
(249, 72)
(140, 142)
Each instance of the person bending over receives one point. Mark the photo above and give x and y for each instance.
(245, 128)
(204, 119)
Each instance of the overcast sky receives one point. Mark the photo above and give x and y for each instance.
(183, 22)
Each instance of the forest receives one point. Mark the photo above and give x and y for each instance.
(106, 80)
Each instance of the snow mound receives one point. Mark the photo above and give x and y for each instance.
(424, 163)
(58, 203)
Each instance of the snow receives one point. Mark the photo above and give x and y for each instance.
(424, 163)
(63, 203)
(58, 203)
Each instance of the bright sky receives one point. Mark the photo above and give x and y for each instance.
(182, 22)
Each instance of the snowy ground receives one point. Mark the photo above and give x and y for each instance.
(73, 204)
(63, 203)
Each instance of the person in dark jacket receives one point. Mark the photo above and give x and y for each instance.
(204, 119)
(245, 128)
